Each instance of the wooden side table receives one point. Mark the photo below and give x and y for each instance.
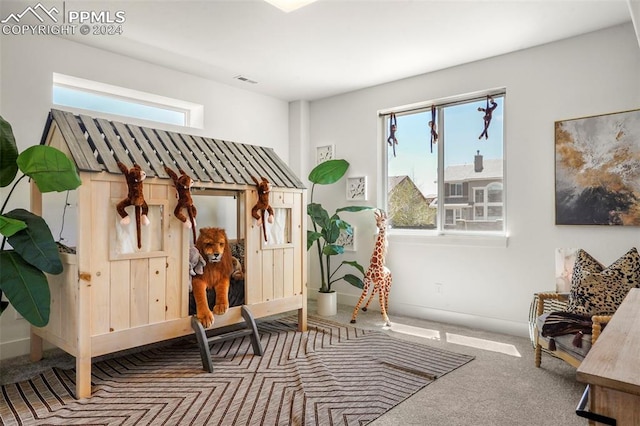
(612, 368)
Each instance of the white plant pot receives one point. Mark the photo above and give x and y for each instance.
(327, 304)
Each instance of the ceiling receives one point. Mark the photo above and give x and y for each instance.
(335, 46)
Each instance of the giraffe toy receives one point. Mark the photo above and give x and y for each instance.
(377, 274)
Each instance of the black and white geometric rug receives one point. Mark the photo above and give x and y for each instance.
(331, 374)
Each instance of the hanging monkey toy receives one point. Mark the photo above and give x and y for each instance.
(433, 126)
(262, 206)
(183, 184)
(135, 197)
(488, 111)
(393, 127)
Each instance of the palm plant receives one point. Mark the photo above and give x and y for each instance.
(327, 229)
(34, 253)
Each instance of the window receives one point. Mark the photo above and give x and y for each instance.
(452, 215)
(458, 180)
(456, 189)
(479, 195)
(219, 209)
(90, 95)
(124, 237)
(78, 98)
(279, 232)
(495, 192)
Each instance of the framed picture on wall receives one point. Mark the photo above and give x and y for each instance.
(597, 171)
(357, 188)
(346, 240)
(324, 153)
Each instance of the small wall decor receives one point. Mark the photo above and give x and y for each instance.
(324, 153)
(346, 240)
(597, 170)
(357, 188)
(565, 259)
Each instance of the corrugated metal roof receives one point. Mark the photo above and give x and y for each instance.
(97, 144)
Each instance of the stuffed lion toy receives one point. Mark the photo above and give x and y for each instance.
(214, 248)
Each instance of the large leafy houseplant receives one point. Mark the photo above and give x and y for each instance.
(34, 251)
(326, 229)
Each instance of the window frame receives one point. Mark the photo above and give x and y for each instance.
(157, 232)
(193, 113)
(441, 235)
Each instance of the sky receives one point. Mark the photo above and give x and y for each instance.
(463, 125)
(109, 104)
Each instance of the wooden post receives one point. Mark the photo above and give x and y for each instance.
(84, 253)
(302, 252)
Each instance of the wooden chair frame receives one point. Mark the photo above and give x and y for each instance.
(597, 320)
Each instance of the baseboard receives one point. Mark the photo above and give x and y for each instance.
(457, 318)
(19, 347)
(15, 348)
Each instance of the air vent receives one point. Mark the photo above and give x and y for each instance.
(245, 79)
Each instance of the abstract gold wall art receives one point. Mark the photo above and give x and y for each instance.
(598, 170)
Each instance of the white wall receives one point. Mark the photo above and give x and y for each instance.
(488, 286)
(27, 65)
(298, 136)
(634, 9)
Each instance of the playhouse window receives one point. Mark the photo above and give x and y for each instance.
(279, 232)
(151, 236)
(219, 209)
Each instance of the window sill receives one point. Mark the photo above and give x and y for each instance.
(405, 236)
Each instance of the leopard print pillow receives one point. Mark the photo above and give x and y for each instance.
(596, 290)
(237, 250)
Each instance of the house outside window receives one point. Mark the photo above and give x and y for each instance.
(456, 185)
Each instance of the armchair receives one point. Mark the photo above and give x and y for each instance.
(571, 347)
(568, 324)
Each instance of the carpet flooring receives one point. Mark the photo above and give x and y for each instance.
(330, 375)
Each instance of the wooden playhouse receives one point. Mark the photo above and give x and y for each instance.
(114, 296)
